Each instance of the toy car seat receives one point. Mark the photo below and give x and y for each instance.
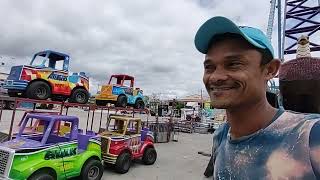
(83, 141)
(144, 133)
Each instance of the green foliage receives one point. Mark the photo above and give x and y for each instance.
(179, 105)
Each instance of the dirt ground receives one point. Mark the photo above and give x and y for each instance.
(176, 160)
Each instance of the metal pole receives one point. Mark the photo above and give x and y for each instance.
(34, 106)
(61, 109)
(2, 105)
(271, 19)
(33, 109)
(156, 132)
(148, 113)
(12, 120)
(201, 108)
(88, 120)
(283, 31)
(280, 43)
(108, 112)
(92, 119)
(108, 115)
(67, 110)
(100, 119)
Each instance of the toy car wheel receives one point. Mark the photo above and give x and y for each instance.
(38, 90)
(79, 96)
(122, 101)
(123, 163)
(92, 170)
(42, 175)
(149, 156)
(10, 105)
(3, 105)
(139, 104)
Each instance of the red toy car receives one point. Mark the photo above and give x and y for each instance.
(125, 141)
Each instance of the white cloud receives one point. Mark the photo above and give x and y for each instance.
(151, 40)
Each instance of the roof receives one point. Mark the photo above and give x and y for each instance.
(52, 52)
(121, 76)
(50, 117)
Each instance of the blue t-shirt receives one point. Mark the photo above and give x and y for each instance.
(288, 148)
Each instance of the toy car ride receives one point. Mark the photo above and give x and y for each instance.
(48, 76)
(123, 141)
(34, 125)
(121, 92)
(51, 154)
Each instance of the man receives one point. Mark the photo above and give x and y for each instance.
(258, 141)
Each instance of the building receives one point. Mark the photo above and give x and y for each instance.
(3, 77)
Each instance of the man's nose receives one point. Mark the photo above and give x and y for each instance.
(218, 75)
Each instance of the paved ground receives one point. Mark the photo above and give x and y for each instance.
(176, 160)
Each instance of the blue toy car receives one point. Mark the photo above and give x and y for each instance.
(121, 92)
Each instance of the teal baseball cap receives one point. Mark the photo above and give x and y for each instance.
(221, 25)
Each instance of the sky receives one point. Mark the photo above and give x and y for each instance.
(150, 40)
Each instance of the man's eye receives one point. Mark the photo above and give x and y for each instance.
(235, 64)
(207, 67)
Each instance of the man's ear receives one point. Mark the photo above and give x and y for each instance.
(272, 68)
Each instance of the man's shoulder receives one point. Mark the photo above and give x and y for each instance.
(298, 116)
(221, 129)
(219, 133)
(291, 121)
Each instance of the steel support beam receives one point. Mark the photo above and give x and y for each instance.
(300, 19)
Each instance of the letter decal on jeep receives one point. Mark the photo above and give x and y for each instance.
(73, 151)
(56, 154)
(49, 155)
(58, 77)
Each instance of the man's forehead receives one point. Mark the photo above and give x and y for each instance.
(228, 55)
(224, 56)
(230, 43)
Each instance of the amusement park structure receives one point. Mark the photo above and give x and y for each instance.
(300, 17)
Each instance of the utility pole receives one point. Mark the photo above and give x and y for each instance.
(271, 19)
(201, 106)
(280, 48)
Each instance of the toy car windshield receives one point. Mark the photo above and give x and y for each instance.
(122, 80)
(49, 60)
(47, 132)
(121, 125)
(116, 126)
(40, 61)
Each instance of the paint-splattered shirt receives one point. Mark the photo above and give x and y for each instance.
(289, 148)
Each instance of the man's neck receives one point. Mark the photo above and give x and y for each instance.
(247, 120)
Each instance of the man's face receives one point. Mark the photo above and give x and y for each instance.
(233, 75)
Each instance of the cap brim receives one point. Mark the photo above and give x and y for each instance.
(214, 26)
